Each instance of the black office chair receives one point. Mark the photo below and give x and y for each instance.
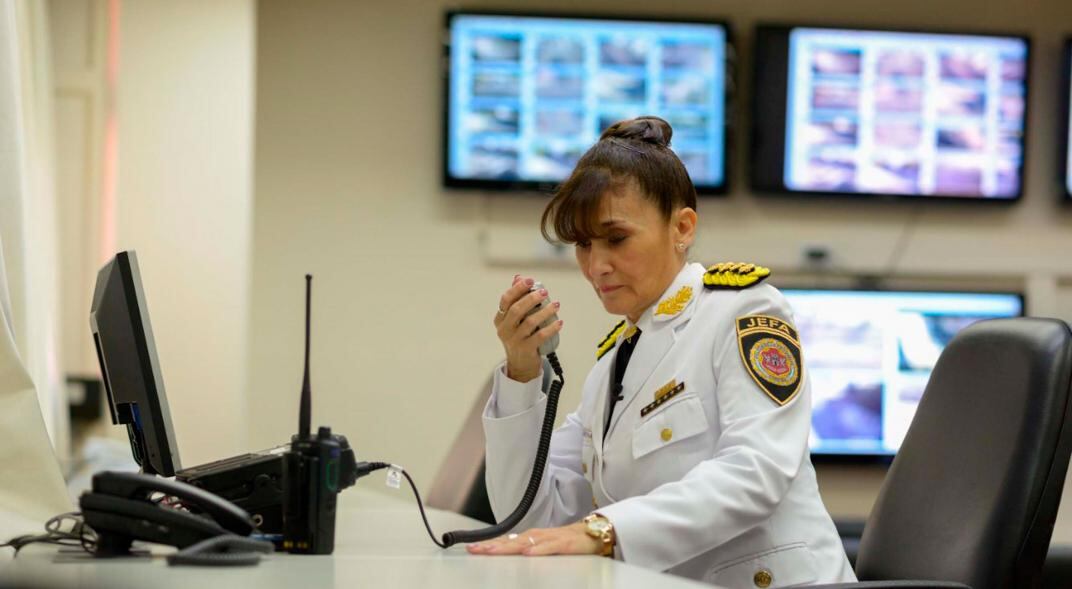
(971, 499)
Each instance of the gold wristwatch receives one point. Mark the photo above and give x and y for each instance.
(600, 528)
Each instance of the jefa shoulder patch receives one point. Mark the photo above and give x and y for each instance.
(770, 350)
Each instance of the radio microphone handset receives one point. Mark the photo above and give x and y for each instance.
(546, 349)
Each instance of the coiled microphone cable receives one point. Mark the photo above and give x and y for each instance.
(452, 538)
(542, 449)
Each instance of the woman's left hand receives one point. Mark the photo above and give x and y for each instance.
(571, 539)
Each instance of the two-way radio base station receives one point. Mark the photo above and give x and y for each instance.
(291, 491)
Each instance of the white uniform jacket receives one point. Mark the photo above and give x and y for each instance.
(713, 483)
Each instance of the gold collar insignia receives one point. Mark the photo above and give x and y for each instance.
(674, 304)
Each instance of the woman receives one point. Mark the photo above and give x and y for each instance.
(689, 451)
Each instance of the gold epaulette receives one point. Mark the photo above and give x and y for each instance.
(612, 338)
(734, 276)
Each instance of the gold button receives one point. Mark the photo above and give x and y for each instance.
(667, 433)
(762, 579)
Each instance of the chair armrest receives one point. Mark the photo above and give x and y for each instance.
(893, 585)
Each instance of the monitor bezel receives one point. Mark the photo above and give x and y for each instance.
(780, 190)
(872, 457)
(521, 187)
(1064, 103)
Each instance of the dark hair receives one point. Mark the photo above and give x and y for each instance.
(630, 151)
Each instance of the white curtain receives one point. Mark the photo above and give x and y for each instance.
(31, 482)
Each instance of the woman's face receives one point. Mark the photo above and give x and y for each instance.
(637, 257)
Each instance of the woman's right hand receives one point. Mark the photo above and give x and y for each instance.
(521, 336)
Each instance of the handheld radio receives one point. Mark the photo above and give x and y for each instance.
(311, 469)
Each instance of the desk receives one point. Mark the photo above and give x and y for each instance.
(379, 542)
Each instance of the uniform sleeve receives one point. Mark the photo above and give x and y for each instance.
(761, 448)
(512, 421)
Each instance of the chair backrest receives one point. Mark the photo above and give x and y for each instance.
(972, 495)
(462, 472)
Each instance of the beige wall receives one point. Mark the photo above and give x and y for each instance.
(408, 274)
(78, 35)
(184, 109)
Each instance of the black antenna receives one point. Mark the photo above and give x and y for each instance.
(304, 417)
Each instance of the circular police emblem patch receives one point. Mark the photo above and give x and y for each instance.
(770, 350)
(773, 362)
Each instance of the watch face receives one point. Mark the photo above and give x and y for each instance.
(599, 525)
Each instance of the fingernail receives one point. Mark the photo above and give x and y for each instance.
(529, 282)
(557, 304)
(516, 276)
(559, 322)
(543, 292)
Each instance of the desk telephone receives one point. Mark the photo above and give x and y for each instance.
(121, 508)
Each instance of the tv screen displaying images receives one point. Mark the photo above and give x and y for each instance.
(527, 95)
(872, 112)
(869, 355)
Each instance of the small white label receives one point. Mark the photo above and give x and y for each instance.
(394, 477)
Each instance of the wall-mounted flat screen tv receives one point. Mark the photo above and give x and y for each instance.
(882, 112)
(526, 95)
(869, 355)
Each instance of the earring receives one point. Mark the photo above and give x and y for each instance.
(680, 247)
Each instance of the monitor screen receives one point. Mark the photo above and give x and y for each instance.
(869, 355)
(119, 320)
(872, 112)
(526, 96)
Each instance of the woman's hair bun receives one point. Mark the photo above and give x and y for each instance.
(648, 129)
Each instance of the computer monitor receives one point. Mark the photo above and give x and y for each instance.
(119, 319)
(869, 355)
(861, 112)
(528, 94)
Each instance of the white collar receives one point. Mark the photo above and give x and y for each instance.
(678, 297)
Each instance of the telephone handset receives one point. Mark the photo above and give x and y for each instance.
(120, 509)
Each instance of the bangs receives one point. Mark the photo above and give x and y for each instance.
(572, 216)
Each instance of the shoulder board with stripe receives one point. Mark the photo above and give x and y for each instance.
(608, 342)
(734, 276)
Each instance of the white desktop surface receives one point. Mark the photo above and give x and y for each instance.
(379, 542)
